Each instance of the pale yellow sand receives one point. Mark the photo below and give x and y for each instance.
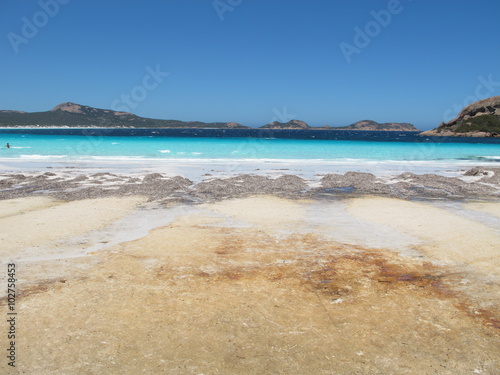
(19, 206)
(491, 208)
(270, 213)
(38, 222)
(199, 296)
(449, 237)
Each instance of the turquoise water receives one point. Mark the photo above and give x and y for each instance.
(57, 147)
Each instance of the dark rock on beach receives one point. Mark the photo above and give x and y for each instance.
(491, 175)
(357, 181)
(245, 185)
(478, 183)
(410, 185)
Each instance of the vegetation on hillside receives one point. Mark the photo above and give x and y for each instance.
(485, 123)
(96, 117)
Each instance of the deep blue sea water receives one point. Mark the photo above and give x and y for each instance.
(247, 144)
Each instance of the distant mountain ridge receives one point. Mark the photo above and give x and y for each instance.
(77, 115)
(479, 119)
(72, 114)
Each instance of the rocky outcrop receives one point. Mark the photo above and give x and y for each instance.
(374, 126)
(246, 185)
(489, 106)
(84, 109)
(479, 119)
(292, 124)
(11, 111)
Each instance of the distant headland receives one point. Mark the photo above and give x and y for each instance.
(77, 115)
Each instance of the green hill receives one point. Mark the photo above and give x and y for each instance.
(75, 115)
(484, 123)
(479, 119)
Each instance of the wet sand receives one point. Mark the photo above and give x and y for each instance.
(252, 284)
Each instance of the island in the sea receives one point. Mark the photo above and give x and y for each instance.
(479, 119)
(365, 125)
(76, 115)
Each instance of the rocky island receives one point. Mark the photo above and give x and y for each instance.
(292, 124)
(479, 119)
(366, 125)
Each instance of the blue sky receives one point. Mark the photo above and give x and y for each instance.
(252, 61)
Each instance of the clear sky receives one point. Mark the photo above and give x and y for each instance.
(252, 61)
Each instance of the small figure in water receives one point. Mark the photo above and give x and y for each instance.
(7, 145)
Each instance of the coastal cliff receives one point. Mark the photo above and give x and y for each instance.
(479, 119)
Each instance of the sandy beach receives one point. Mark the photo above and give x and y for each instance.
(349, 274)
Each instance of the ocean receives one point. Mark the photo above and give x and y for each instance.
(348, 150)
